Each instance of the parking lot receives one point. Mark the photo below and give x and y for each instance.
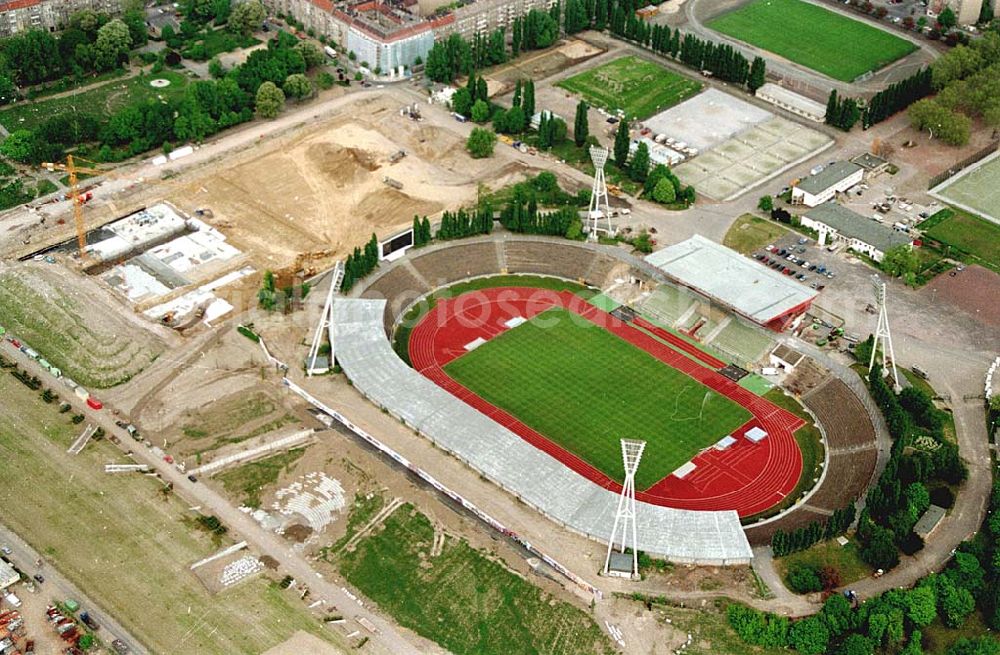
(799, 257)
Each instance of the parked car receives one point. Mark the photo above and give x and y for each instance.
(39, 578)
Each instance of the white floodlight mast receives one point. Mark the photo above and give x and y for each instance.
(599, 207)
(626, 514)
(882, 333)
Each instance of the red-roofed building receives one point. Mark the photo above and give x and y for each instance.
(48, 15)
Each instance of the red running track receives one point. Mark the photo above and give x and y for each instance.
(747, 477)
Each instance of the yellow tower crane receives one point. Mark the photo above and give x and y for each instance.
(75, 196)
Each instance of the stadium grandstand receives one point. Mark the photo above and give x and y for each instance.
(668, 305)
(744, 343)
(740, 285)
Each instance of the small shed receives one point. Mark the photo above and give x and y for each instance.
(786, 358)
(620, 565)
(927, 523)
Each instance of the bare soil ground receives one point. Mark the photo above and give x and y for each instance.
(542, 65)
(303, 642)
(322, 189)
(974, 290)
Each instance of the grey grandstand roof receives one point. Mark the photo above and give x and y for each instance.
(835, 172)
(723, 274)
(491, 449)
(855, 226)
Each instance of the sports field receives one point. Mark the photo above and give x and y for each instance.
(817, 38)
(585, 389)
(970, 234)
(978, 190)
(638, 87)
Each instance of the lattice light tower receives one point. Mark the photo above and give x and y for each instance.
(625, 514)
(324, 329)
(882, 334)
(599, 195)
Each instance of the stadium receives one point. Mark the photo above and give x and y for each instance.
(528, 359)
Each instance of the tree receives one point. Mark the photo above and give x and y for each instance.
(86, 20)
(297, 86)
(976, 646)
(216, 69)
(622, 143)
(247, 17)
(966, 572)
(900, 260)
(19, 146)
(638, 168)
(481, 142)
(809, 636)
(664, 192)
(921, 605)
(803, 579)
(954, 603)
(311, 54)
(581, 127)
(947, 18)
(856, 644)
(112, 44)
(270, 99)
(940, 121)
(480, 111)
(765, 204)
(267, 295)
(758, 74)
(528, 103)
(461, 101)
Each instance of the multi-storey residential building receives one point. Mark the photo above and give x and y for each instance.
(49, 15)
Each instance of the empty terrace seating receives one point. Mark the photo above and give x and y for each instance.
(802, 516)
(667, 304)
(457, 262)
(546, 258)
(841, 414)
(846, 478)
(399, 287)
(744, 343)
(603, 268)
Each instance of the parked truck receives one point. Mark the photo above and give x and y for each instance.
(89, 621)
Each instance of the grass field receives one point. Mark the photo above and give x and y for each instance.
(750, 233)
(978, 190)
(969, 234)
(817, 38)
(844, 559)
(638, 87)
(120, 539)
(244, 483)
(584, 388)
(461, 598)
(100, 102)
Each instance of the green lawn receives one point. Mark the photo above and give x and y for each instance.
(844, 559)
(246, 482)
(817, 38)
(124, 542)
(978, 189)
(750, 233)
(584, 388)
(638, 87)
(461, 598)
(967, 233)
(99, 102)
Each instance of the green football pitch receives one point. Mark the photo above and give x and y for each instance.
(817, 38)
(584, 388)
(638, 87)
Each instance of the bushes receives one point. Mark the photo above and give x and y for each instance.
(803, 579)
(758, 628)
(785, 543)
(360, 263)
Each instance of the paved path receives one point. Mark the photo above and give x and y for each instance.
(59, 587)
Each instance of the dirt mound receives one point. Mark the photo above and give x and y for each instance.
(345, 166)
(388, 207)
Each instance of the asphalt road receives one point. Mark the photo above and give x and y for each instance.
(56, 586)
(386, 639)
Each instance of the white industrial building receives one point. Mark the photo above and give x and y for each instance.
(791, 101)
(835, 178)
(8, 575)
(836, 223)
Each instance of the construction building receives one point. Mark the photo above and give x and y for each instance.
(388, 35)
(824, 185)
(861, 234)
(48, 15)
(733, 283)
(8, 575)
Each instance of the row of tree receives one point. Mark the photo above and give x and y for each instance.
(784, 543)
(206, 107)
(523, 216)
(967, 81)
(842, 112)
(517, 119)
(897, 97)
(92, 42)
(892, 622)
(466, 223)
(421, 231)
(901, 495)
(360, 263)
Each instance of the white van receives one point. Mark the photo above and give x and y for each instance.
(12, 599)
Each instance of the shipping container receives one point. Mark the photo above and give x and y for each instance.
(94, 403)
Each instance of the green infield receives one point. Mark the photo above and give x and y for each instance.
(638, 87)
(584, 388)
(966, 233)
(817, 38)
